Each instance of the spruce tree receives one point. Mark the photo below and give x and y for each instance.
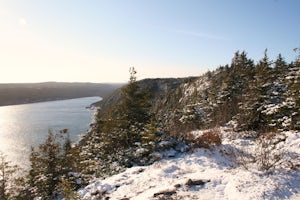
(251, 108)
(49, 164)
(119, 132)
(9, 188)
(229, 88)
(293, 94)
(133, 112)
(241, 72)
(122, 126)
(276, 108)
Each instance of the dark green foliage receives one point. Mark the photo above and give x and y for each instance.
(293, 93)
(50, 164)
(149, 133)
(134, 109)
(10, 184)
(125, 128)
(251, 116)
(234, 84)
(261, 97)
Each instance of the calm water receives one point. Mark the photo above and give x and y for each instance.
(22, 126)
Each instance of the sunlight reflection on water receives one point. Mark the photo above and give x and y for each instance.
(23, 126)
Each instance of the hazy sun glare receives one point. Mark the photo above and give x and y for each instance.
(99, 41)
(28, 57)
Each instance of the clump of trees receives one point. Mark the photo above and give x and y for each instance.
(262, 97)
(120, 136)
(52, 164)
(130, 116)
(52, 174)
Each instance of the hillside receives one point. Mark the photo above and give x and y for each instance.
(260, 97)
(255, 104)
(165, 93)
(20, 93)
(232, 133)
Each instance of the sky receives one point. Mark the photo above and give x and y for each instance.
(99, 40)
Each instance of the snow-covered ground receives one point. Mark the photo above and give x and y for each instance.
(206, 174)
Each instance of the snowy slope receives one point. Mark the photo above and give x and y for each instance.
(204, 174)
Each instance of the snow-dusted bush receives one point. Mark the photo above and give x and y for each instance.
(267, 154)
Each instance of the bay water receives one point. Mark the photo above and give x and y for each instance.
(23, 126)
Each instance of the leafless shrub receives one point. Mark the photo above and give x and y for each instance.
(294, 162)
(243, 158)
(267, 156)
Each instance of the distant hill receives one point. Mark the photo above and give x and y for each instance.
(21, 93)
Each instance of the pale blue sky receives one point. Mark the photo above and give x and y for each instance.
(97, 41)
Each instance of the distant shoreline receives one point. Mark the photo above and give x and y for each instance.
(17, 94)
(49, 100)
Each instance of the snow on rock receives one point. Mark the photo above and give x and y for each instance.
(203, 174)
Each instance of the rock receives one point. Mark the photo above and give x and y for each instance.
(165, 193)
(191, 182)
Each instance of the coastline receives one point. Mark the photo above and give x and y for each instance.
(48, 100)
(94, 109)
(24, 125)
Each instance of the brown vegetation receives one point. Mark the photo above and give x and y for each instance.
(207, 139)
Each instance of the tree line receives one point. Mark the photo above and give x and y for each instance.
(262, 97)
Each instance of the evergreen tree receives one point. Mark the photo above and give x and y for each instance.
(240, 74)
(120, 132)
(135, 106)
(275, 107)
(251, 116)
(10, 183)
(293, 94)
(229, 87)
(130, 116)
(49, 164)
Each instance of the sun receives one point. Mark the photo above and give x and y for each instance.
(22, 22)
